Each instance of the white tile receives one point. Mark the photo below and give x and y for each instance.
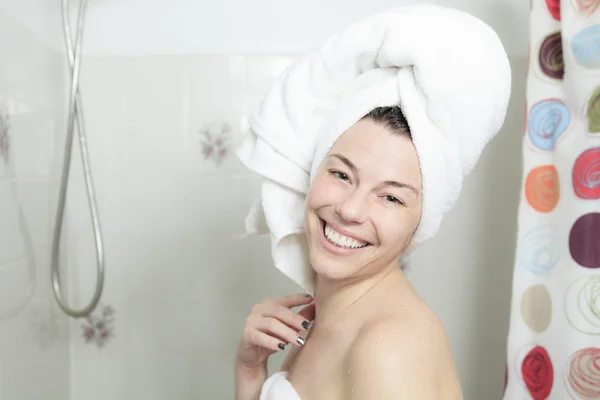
(164, 204)
(235, 274)
(215, 103)
(5, 140)
(16, 285)
(29, 93)
(41, 263)
(48, 332)
(142, 127)
(215, 86)
(32, 143)
(213, 378)
(46, 380)
(25, 75)
(38, 217)
(11, 225)
(134, 126)
(5, 170)
(147, 287)
(151, 377)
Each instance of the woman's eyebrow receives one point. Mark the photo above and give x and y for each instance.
(348, 163)
(396, 184)
(401, 186)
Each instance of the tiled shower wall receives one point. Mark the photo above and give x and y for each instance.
(34, 345)
(172, 199)
(181, 277)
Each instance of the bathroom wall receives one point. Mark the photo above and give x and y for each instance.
(181, 277)
(34, 341)
(165, 85)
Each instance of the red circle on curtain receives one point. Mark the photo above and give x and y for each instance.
(554, 8)
(538, 373)
(586, 174)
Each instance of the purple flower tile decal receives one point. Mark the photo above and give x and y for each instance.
(4, 137)
(99, 327)
(216, 140)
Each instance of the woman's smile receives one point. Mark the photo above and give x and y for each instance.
(338, 243)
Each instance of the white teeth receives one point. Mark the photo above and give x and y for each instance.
(341, 240)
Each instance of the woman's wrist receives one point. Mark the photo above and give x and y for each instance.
(251, 372)
(249, 381)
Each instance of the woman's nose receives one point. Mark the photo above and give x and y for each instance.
(353, 209)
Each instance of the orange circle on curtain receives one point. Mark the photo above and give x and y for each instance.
(542, 188)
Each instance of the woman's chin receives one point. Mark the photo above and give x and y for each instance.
(331, 269)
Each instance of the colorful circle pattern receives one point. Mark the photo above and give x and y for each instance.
(593, 111)
(554, 8)
(538, 373)
(582, 305)
(547, 121)
(586, 174)
(542, 189)
(583, 374)
(585, 7)
(536, 308)
(559, 230)
(538, 250)
(586, 47)
(584, 242)
(550, 57)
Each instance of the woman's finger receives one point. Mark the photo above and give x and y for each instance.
(266, 341)
(308, 312)
(293, 300)
(290, 318)
(279, 330)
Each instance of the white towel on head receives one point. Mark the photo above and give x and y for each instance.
(447, 70)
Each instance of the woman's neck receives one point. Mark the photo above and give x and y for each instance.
(334, 298)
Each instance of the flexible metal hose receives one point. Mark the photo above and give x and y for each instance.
(76, 116)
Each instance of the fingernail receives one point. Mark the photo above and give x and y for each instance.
(281, 346)
(307, 295)
(300, 341)
(305, 324)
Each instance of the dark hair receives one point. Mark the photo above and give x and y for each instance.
(390, 117)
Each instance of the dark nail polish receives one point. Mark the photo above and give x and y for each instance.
(305, 324)
(300, 341)
(281, 346)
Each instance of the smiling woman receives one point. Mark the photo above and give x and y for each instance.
(387, 150)
(364, 201)
(362, 211)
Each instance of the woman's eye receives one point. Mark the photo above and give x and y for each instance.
(340, 175)
(393, 199)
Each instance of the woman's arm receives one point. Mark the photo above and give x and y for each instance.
(269, 327)
(249, 381)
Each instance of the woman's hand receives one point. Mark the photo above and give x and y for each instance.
(271, 326)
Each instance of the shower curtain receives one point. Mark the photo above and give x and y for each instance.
(554, 336)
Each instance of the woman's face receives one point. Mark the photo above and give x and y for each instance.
(364, 204)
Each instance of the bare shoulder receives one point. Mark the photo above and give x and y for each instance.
(403, 354)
